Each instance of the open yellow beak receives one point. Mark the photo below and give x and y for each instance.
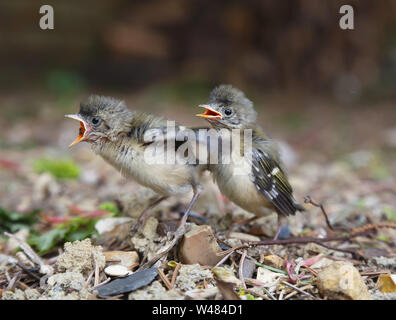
(209, 113)
(81, 131)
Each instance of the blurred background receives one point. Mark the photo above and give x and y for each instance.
(328, 93)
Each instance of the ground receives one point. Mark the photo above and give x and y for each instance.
(342, 156)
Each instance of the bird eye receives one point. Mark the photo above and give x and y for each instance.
(228, 111)
(95, 120)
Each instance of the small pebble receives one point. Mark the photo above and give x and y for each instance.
(116, 270)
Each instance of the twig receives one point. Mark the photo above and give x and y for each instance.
(352, 232)
(291, 294)
(96, 273)
(269, 293)
(28, 271)
(175, 273)
(241, 262)
(225, 258)
(309, 200)
(14, 281)
(164, 279)
(44, 268)
(315, 273)
(375, 273)
(299, 290)
(133, 266)
(89, 279)
(257, 294)
(100, 284)
(177, 235)
(23, 285)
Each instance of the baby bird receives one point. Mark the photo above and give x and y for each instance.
(135, 143)
(264, 186)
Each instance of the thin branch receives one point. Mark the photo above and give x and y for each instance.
(299, 290)
(230, 252)
(44, 268)
(164, 279)
(241, 262)
(89, 279)
(100, 284)
(257, 294)
(177, 235)
(174, 276)
(28, 271)
(309, 200)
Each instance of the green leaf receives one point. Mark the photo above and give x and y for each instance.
(250, 297)
(47, 240)
(14, 221)
(78, 228)
(60, 169)
(109, 206)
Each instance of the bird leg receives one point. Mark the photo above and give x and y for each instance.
(282, 224)
(197, 191)
(143, 216)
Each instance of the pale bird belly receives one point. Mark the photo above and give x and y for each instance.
(240, 189)
(162, 178)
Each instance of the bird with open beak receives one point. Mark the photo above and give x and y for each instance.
(264, 187)
(119, 136)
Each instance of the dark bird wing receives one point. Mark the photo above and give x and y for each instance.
(271, 181)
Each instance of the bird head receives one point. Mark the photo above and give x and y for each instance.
(228, 107)
(100, 118)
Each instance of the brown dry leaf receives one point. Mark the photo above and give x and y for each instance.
(386, 283)
(227, 290)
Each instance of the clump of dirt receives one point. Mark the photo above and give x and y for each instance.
(81, 256)
(190, 275)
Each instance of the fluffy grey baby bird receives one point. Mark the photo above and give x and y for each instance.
(266, 185)
(119, 136)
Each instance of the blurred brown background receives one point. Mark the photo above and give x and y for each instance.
(313, 83)
(292, 45)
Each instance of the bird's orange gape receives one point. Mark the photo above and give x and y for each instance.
(209, 113)
(82, 132)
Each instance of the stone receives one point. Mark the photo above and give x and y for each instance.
(199, 245)
(386, 283)
(116, 270)
(249, 267)
(275, 261)
(109, 224)
(342, 281)
(150, 228)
